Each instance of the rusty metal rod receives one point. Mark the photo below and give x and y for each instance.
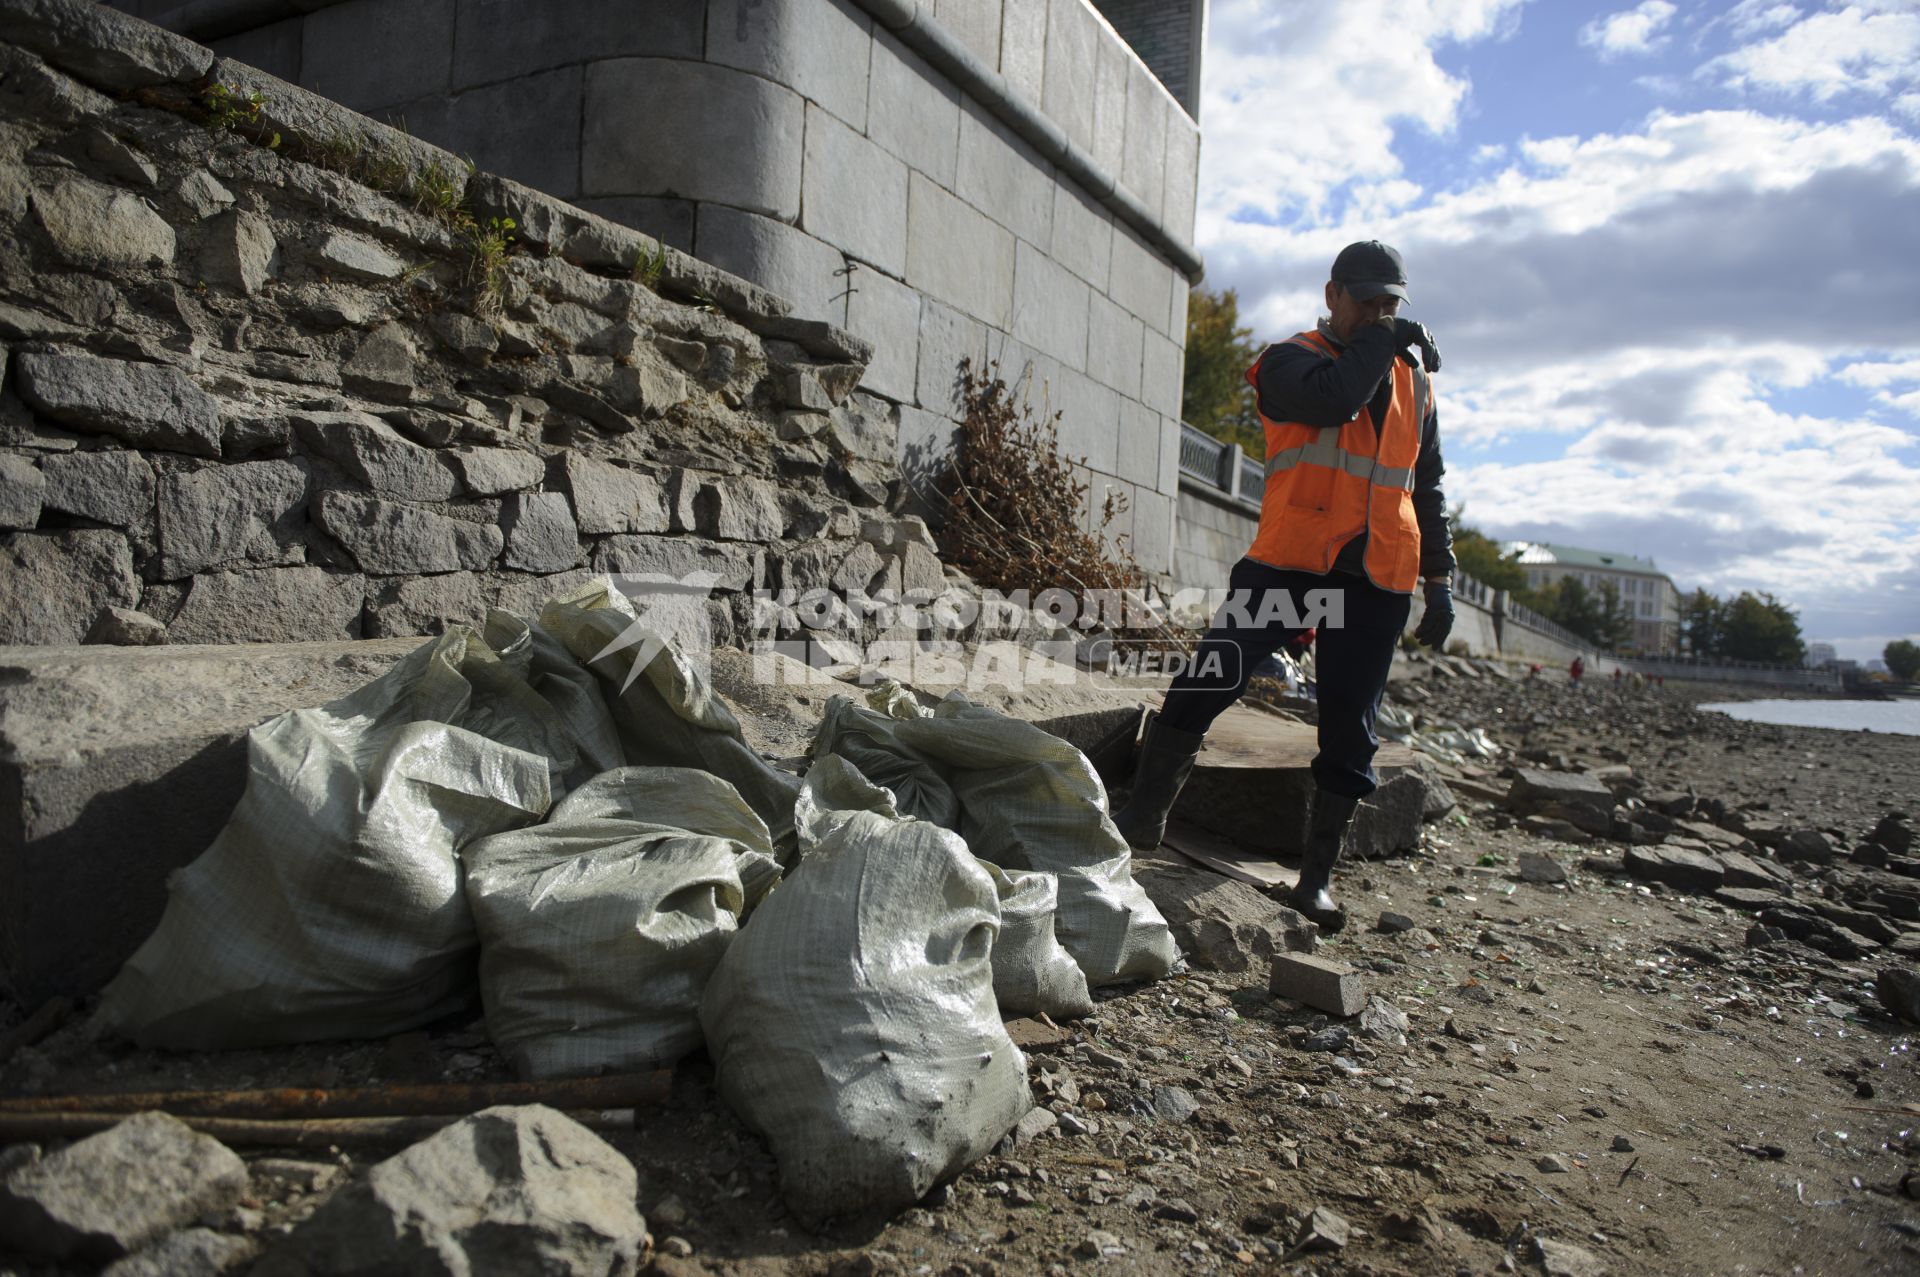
(632, 1090)
(36, 1028)
(318, 1133)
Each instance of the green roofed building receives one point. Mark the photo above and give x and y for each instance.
(1645, 591)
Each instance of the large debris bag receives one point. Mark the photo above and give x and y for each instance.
(1032, 973)
(868, 737)
(591, 742)
(599, 928)
(330, 906)
(1027, 801)
(665, 710)
(852, 1022)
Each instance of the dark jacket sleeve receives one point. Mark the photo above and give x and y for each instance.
(1303, 385)
(1429, 502)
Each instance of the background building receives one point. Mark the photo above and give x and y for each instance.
(1820, 654)
(994, 179)
(1645, 591)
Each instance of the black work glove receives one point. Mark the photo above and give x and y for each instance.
(1437, 622)
(1408, 333)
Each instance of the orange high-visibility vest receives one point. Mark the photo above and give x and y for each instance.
(1327, 486)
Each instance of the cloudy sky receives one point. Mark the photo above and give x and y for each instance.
(1671, 252)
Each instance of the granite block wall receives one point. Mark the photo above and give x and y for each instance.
(811, 147)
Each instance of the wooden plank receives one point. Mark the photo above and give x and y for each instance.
(1246, 738)
(1223, 857)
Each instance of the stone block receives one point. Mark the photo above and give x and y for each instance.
(238, 252)
(867, 428)
(957, 254)
(377, 455)
(1139, 280)
(1182, 177)
(270, 605)
(887, 313)
(540, 533)
(722, 567)
(1153, 533)
(610, 498)
(1114, 347)
(110, 1194)
(527, 129)
(252, 512)
(122, 763)
(1082, 235)
(1162, 371)
(384, 365)
(747, 510)
(1113, 61)
(1222, 925)
(1534, 790)
(404, 606)
(820, 49)
(974, 23)
(854, 194)
(1676, 866)
(947, 339)
(1050, 306)
(913, 110)
(146, 405)
(274, 48)
(108, 49)
(1143, 161)
(693, 130)
(391, 538)
(22, 491)
(1321, 983)
(1003, 177)
(1138, 443)
(53, 584)
(357, 257)
(504, 39)
(200, 1251)
(927, 440)
(126, 628)
(366, 54)
(1089, 421)
(1023, 47)
(527, 1182)
(783, 260)
(1074, 33)
(668, 220)
(491, 472)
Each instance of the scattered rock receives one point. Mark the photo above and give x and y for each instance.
(1384, 1022)
(1391, 923)
(1098, 1244)
(1324, 1230)
(1554, 1164)
(1621, 1144)
(1538, 867)
(110, 1194)
(1899, 990)
(1562, 1259)
(1035, 1123)
(193, 1252)
(1174, 1104)
(1220, 924)
(523, 1189)
(1321, 983)
(1675, 866)
(124, 627)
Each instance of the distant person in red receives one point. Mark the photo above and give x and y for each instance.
(1617, 672)
(1575, 670)
(1533, 670)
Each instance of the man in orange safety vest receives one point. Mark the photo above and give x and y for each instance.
(1352, 517)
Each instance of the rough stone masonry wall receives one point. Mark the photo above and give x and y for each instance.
(803, 145)
(259, 400)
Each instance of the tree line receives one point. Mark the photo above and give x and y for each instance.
(1746, 627)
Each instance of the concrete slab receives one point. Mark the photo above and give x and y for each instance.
(1251, 785)
(117, 766)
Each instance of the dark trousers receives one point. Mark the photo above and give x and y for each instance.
(1350, 666)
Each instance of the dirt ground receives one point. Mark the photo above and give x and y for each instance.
(1595, 1076)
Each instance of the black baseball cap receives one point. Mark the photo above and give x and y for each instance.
(1369, 269)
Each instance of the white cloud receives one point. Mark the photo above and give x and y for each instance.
(1860, 48)
(1751, 17)
(1631, 31)
(1881, 373)
(1302, 97)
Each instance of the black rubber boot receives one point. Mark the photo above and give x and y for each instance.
(1166, 760)
(1326, 830)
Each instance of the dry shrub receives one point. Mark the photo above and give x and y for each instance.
(1013, 505)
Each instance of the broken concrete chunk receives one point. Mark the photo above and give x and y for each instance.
(1220, 924)
(522, 1189)
(1321, 983)
(124, 627)
(112, 1193)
